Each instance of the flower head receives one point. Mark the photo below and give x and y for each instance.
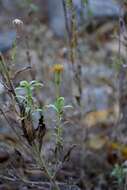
(58, 68)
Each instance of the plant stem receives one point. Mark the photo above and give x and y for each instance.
(59, 130)
(41, 163)
(57, 90)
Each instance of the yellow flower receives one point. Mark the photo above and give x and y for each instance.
(57, 68)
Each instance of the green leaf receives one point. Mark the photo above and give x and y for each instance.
(20, 97)
(38, 84)
(18, 89)
(28, 109)
(38, 110)
(35, 84)
(59, 103)
(68, 106)
(52, 106)
(34, 8)
(24, 83)
(118, 173)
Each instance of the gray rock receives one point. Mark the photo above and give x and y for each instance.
(99, 9)
(10, 5)
(91, 98)
(7, 40)
(56, 17)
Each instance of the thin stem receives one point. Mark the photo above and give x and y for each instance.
(7, 77)
(11, 90)
(57, 90)
(32, 74)
(40, 161)
(59, 130)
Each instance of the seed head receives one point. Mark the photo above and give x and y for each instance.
(18, 24)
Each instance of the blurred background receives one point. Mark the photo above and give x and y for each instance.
(44, 28)
(43, 40)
